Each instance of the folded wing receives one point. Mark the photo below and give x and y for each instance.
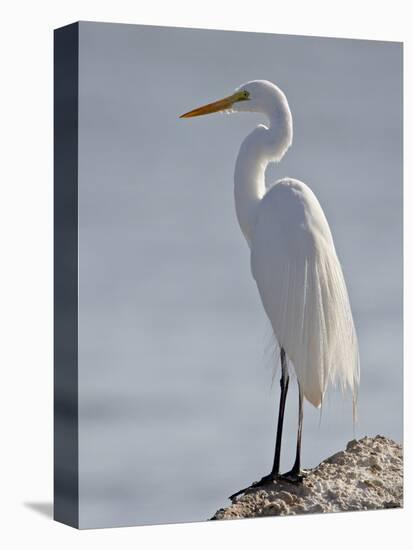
(302, 288)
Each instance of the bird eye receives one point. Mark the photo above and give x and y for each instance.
(242, 95)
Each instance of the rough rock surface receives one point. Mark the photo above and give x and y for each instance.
(367, 475)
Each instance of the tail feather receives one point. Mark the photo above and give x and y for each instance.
(316, 327)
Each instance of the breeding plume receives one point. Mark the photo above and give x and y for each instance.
(293, 261)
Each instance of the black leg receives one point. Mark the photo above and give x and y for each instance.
(283, 398)
(296, 474)
(275, 472)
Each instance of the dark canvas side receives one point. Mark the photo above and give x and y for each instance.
(66, 446)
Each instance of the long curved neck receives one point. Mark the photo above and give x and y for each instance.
(261, 146)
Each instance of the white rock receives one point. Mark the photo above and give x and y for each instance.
(367, 475)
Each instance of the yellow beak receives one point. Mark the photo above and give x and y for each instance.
(215, 107)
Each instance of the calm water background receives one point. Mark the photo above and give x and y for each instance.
(177, 403)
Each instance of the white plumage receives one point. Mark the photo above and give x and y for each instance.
(293, 258)
(302, 288)
(293, 261)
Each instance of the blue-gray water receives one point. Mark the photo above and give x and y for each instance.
(177, 410)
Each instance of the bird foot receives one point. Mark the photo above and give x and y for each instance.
(294, 476)
(270, 478)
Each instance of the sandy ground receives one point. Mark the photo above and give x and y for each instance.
(368, 475)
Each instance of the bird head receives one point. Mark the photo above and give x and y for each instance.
(259, 96)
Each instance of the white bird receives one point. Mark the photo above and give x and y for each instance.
(293, 261)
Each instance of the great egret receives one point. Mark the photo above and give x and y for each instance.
(293, 261)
